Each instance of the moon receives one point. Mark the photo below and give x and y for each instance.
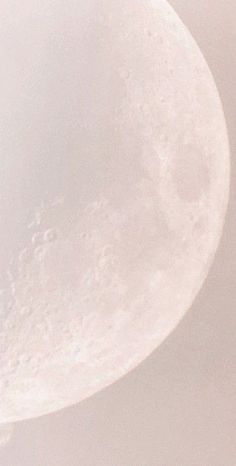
(114, 184)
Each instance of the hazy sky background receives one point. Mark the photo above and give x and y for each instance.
(178, 408)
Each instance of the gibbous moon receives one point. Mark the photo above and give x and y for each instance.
(113, 188)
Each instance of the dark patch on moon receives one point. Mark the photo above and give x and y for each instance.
(190, 173)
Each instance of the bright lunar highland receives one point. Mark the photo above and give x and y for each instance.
(114, 177)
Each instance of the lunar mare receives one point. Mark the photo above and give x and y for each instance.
(113, 188)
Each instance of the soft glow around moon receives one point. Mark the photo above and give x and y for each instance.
(114, 184)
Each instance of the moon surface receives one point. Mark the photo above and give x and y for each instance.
(113, 188)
